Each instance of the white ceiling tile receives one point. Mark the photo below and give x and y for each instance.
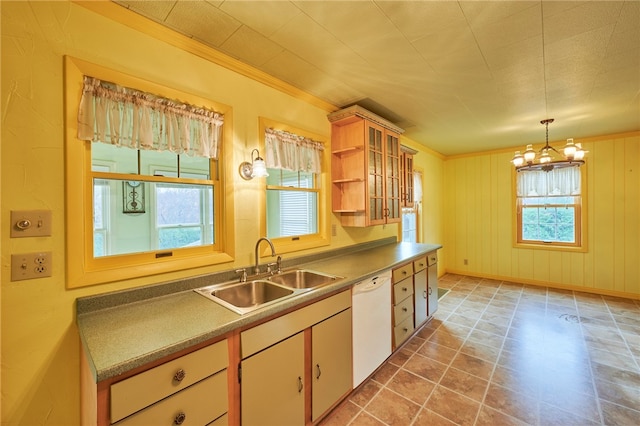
(250, 46)
(157, 10)
(433, 46)
(462, 76)
(202, 21)
(520, 26)
(585, 17)
(265, 17)
(417, 19)
(480, 13)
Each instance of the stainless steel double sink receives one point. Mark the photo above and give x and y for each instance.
(243, 297)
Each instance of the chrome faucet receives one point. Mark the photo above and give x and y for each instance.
(256, 269)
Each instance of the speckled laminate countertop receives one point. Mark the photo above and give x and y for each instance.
(124, 330)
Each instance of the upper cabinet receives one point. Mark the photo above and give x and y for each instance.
(406, 173)
(365, 168)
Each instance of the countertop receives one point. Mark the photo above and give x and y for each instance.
(118, 337)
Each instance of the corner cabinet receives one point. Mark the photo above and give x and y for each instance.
(365, 168)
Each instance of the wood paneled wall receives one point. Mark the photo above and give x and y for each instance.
(479, 207)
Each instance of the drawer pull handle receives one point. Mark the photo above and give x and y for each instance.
(430, 290)
(424, 293)
(404, 272)
(318, 372)
(405, 329)
(404, 289)
(300, 385)
(180, 374)
(180, 418)
(404, 309)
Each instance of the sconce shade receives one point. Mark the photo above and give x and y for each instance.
(257, 167)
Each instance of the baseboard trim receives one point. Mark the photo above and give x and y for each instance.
(600, 291)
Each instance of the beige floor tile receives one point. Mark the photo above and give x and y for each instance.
(453, 406)
(392, 409)
(502, 353)
(464, 383)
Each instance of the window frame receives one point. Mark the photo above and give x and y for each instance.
(81, 267)
(580, 221)
(302, 242)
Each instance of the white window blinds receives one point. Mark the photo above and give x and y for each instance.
(122, 116)
(289, 151)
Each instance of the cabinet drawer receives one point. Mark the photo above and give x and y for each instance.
(141, 390)
(220, 421)
(199, 404)
(402, 272)
(264, 335)
(420, 264)
(402, 290)
(403, 310)
(403, 330)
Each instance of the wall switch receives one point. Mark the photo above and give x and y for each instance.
(30, 265)
(30, 223)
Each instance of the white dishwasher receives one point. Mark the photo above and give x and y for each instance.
(371, 310)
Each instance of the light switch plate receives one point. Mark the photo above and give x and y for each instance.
(28, 266)
(30, 223)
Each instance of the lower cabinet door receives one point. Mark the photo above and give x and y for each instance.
(331, 357)
(421, 296)
(272, 385)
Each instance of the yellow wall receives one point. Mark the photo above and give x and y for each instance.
(478, 209)
(40, 344)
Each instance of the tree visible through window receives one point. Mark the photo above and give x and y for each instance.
(549, 207)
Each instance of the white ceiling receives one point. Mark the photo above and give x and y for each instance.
(459, 77)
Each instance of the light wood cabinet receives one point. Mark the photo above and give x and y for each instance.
(193, 387)
(298, 366)
(331, 362)
(272, 385)
(403, 324)
(420, 289)
(366, 168)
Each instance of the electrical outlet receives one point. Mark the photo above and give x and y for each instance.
(30, 223)
(30, 265)
(466, 261)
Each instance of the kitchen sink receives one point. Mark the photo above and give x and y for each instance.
(302, 279)
(247, 296)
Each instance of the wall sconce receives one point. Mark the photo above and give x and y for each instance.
(257, 167)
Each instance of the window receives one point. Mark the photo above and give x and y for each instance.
(297, 215)
(549, 208)
(292, 203)
(143, 208)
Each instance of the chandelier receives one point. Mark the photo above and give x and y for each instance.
(573, 155)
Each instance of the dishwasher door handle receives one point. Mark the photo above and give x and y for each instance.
(372, 285)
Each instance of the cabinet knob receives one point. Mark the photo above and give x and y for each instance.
(405, 289)
(404, 272)
(404, 309)
(405, 329)
(180, 418)
(180, 374)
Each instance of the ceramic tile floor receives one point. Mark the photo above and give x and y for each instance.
(500, 353)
